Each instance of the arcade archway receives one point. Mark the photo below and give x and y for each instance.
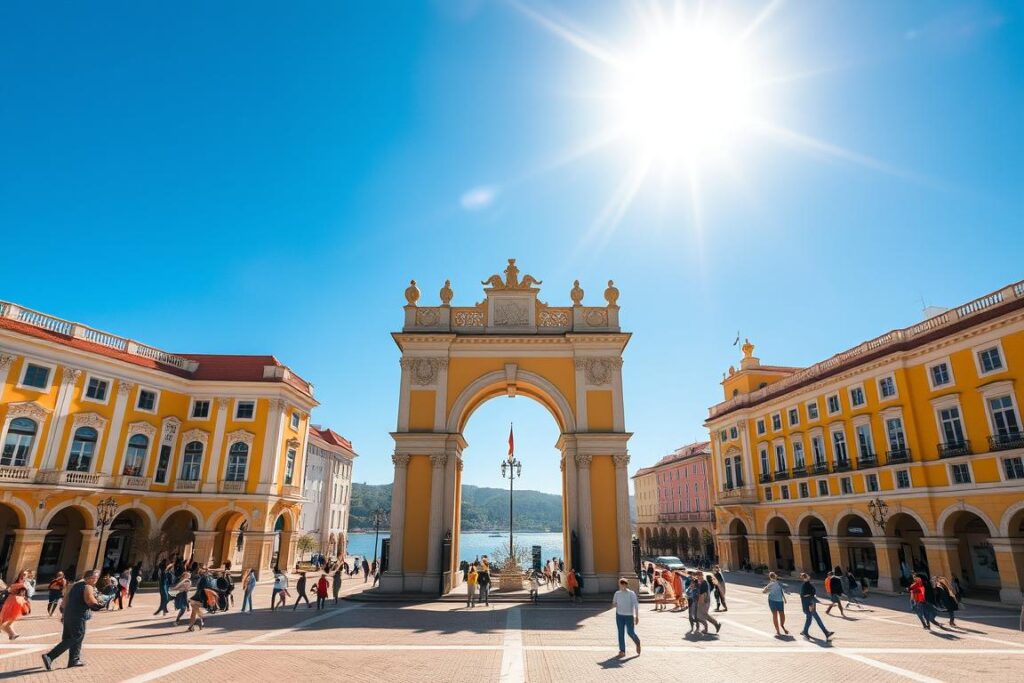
(454, 359)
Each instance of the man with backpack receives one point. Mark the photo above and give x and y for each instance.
(834, 588)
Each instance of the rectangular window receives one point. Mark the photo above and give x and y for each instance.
(805, 490)
(839, 447)
(146, 400)
(833, 404)
(776, 422)
(894, 431)
(96, 389)
(990, 360)
(846, 483)
(952, 428)
(823, 487)
(794, 417)
(798, 455)
(162, 464)
(737, 471)
(768, 493)
(887, 387)
(940, 374)
(1004, 419)
(818, 450)
(722, 436)
(864, 448)
(1014, 468)
(765, 468)
(245, 410)
(785, 493)
(780, 458)
(961, 473)
(201, 410)
(295, 420)
(36, 376)
(857, 397)
(903, 479)
(872, 482)
(728, 473)
(760, 426)
(812, 410)
(733, 433)
(289, 467)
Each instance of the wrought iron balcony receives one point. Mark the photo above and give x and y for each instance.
(897, 456)
(765, 478)
(954, 448)
(800, 471)
(781, 474)
(867, 460)
(841, 466)
(820, 468)
(1002, 442)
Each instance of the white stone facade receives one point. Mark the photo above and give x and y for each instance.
(327, 488)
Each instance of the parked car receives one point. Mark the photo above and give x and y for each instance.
(670, 561)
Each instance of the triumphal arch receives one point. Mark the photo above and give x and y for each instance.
(454, 358)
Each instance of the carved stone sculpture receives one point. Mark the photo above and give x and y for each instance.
(611, 295)
(576, 294)
(447, 293)
(412, 293)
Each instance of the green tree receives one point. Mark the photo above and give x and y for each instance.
(307, 544)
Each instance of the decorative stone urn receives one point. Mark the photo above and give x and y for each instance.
(511, 576)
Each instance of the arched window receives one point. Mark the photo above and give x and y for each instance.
(18, 444)
(83, 448)
(135, 456)
(192, 461)
(238, 458)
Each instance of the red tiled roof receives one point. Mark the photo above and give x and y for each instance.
(681, 453)
(212, 367)
(330, 436)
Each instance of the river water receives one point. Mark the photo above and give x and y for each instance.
(472, 546)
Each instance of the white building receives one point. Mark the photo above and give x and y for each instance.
(327, 488)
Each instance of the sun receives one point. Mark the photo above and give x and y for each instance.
(683, 92)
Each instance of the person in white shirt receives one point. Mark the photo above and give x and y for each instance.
(627, 615)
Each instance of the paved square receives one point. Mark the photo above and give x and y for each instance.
(507, 643)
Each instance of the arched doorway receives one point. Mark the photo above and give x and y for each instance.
(780, 545)
(814, 530)
(696, 547)
(229, 539)
(128, 541)
(9, 523)
(283, 555)
(911, 555)
(179, 532)
(456, 358)
(673, 542)
(62, 544)
(973, 558)
(740, 546)
(855, 534)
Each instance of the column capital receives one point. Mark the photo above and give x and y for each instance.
(223, 402)
(458, 464)
(124, 388)
(583, 461)
(5, 360)
(438, 460)
(1006, 544)
(621, 460)
(69, 375)
(938, 542)
(35, 534)
(400, 460)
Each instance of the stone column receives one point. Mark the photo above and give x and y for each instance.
(271, 452)
(28, 545)
(762, 551)
(453, 451)
(837, 552)
(124, 390)
(53, 435)
(586, 525)
(391, 581)
(286, 550)
(622, 522)
(87, 552)
(5, 368)
(1010, 559)
(434, 535)
(887, 555)
(567, 444)
(202, 548)
(257, 551)
(214, 468)
(802, 554)
(943, 555)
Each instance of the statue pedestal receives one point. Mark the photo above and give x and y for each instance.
(511, 577)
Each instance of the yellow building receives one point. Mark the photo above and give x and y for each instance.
(905, 451)
(194, 455)
(645, 494)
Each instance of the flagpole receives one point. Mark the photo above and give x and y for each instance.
(514, 468)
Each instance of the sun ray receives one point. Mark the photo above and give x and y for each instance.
(765, 12)
(607, 221)
(570, 36)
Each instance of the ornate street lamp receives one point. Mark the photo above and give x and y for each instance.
(380, 516)
(511, 468)
(879, 512)
(105, 515)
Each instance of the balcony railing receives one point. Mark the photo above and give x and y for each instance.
(820, 468)
(781, 475)
(841, 466)
(800, 471)
(232, 486)
(128, 481)
(953, 449)
(765, 478)
(897, 456)
(1002, 442)
(66, 478)
(737, 496)
(291, 491)
(684, 516)
(186, 485)
(25, 475)
(867, 460)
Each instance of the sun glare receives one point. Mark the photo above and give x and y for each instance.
(682, 94)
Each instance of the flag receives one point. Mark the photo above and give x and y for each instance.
(511, 444)
(737, 340)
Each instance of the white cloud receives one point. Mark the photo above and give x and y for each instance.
(477, 198)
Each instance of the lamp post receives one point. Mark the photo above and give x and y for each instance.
(879, 512)
(105, 515)
(380, 516)
(511, 468)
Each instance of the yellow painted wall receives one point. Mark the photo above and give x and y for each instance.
(599, 411)
(602, 496)
(417, 514)
(421, 410)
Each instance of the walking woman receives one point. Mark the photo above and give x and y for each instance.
(471, 579)
(720, 605)
(664, 594)
(919, 602)
(336, 584)
(776, 603)
(627, 616)
(483, 580)
(945, 596)
(56, 592)
(133, 581)
(166, 579)
(809, 603)
(248, 586)
(321, 592)
(15, 606)
(180, 591)
(200, 599)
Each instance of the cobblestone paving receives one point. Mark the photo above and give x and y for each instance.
(507, 643)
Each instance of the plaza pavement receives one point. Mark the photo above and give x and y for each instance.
(507, 643)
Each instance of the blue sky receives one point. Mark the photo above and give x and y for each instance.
(253, 178)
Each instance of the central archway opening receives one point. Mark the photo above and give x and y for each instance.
(539, 529)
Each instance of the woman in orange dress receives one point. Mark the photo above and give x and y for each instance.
(15, 606)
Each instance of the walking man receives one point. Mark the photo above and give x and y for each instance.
(366, 570)
(300, 589)
(834, 586)
(719, 590)
(704, 603)
(78, 606)
(627, 615)
(809, 602)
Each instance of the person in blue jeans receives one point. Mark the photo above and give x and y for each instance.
(627, 615)
(776, 602)
(809, 602)
(248, 586)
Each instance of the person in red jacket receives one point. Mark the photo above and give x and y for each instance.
(919, 602)
(321, 591)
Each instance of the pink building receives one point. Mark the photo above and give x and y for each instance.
(684, 504)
